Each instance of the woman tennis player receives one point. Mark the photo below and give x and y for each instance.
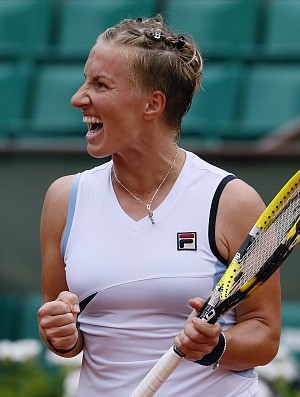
(132, 248)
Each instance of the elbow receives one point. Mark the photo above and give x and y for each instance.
(272, 343)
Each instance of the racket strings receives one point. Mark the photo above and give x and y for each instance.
(267, 241)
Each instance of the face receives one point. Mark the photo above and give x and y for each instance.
(109, 102)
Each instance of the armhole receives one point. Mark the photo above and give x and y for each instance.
(71, 210)
(213, 217)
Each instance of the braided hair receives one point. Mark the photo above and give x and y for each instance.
(160, 59)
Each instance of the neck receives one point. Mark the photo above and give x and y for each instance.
(142, 172)
(134, 195)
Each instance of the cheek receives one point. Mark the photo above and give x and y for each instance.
(121, 114)
(126, 117)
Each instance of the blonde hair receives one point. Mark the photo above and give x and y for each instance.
(160, 59)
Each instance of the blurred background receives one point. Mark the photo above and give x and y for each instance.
(246, 119)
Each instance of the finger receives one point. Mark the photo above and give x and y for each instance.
(184, 340)
(190, 347)
(191, 338)
(200, 337)
(54, 308)
(194, 355)
(71, 300)
(211, 331)
(68, 330)
(194, 345)
(64, 343)
(60, 320)
(192, 350)
(197, 303)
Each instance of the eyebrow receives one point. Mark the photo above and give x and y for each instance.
(98, 77)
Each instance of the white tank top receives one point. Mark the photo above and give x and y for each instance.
(135, 280)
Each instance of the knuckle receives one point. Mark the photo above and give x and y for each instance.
(64, 307)
(67, 297)
(44, 309)
(193, 335)
(63, 294)
(43, 322)
(50, 334)
(214, 331)
(41, 312)
(57, 342)
(70, 301)
(64, 342)
(70, 318)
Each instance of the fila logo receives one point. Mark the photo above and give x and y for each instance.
(187, 241)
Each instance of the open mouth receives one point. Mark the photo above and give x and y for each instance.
(94, 124)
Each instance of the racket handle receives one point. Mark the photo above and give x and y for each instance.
(158, 375)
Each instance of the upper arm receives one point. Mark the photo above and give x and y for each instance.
(53, 220)
(239, 208)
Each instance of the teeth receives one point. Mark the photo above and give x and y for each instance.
(86, 119)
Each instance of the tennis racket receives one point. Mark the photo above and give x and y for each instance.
(269, 243)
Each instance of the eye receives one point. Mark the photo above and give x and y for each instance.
(100, 84)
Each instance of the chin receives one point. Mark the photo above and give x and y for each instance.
(97, 152)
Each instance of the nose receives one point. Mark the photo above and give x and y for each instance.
(80, 98)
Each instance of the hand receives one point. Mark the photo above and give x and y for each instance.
(197, 338)
(58, 318)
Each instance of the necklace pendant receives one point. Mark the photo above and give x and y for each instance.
(151, 218)
(150, 214)
(148, 206)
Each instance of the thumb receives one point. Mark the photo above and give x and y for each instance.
(197, 303)
(71, 300)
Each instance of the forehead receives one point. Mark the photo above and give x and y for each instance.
(107, 58)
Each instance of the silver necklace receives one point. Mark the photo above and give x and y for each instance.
(148, 205)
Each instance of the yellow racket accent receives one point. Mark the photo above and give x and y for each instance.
(279, 200)
(254, 289)
(229, 278)
(234, 272)
(248, 284)
(294, 230)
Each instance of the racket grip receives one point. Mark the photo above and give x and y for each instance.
(157, 375)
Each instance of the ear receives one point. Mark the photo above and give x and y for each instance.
(154, 105)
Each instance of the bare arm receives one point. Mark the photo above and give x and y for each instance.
(258, 317)
(254, 340)
(58, 315)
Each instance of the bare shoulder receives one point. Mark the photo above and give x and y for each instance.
(56, 201)
(238, 195)
(60, 188)
(239, 207)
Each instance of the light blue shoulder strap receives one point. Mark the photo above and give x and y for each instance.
(71, 210)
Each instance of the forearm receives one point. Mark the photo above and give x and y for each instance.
(249, 344)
